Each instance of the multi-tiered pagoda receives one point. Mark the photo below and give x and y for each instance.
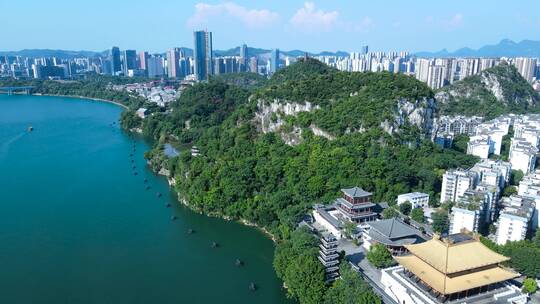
(329, 256)
(356, 205)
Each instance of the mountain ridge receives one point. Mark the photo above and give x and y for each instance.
(67, 54)
(505, 48)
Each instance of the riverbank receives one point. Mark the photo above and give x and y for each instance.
(183, 201)
(84, 97)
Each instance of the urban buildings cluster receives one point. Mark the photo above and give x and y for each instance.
(436, 72)
(201, 63)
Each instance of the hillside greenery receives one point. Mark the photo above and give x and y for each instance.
(471, 96)
(347, 101)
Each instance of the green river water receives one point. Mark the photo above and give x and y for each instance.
(77, 226)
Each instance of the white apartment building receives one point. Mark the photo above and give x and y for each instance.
(522, 155)
(493, 172)
(479, 145)
(515, 219)
(417, 199)
(462, 218)
(455, 183)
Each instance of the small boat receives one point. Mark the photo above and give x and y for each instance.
(173, 218)
(238, 263)
(147, 187)
(134, 167)
(190, 231)
(252, 286)
(158, 194)
(132, 161)
(135, 173)
(30, 129)
(145, 180)
(130, 154)
(168, 205)
(215, 245)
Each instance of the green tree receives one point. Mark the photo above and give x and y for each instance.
(515, 177)
(349, 228)
(529, 285)
(536, 238)
(389, 213)
(417, 214)
(440, 221)
(379, 256)
(350, 289)
(305, 279)
(405, 208)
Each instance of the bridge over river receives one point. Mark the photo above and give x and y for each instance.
(11, 90)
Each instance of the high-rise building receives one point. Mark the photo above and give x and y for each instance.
(143, 61)
(173, 63)
(116, 63)
(244, 57)
(253, 64)
(274, 61)
(203, 54)
(455, 184)
(365, 49)
(130, 61)
(155, 66)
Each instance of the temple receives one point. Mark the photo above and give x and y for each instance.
(356, 205)
(450, 270)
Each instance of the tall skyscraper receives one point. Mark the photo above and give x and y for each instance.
(253, 65)
(173, 66)
(155, 66)
(143, 61)
(274, 61)
(203, 54)
(244, 57)
(130, 61)
(365, 49)
(116, 64)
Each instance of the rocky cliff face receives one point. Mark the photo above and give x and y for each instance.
(419, 113)
(501, 88)
(271, 117)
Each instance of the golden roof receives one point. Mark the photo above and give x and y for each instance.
(451, 258)
(448, 284)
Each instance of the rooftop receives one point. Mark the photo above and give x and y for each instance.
(455, 254)
(355, 192)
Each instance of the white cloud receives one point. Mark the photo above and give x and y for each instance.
(253, 18)
(364, 25)
(457, 20)
(454, 22)
(308, 18)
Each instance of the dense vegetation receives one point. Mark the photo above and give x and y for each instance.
(348, 101)
(524, 255)
(244, 174)
(474, 95)
(296, 263)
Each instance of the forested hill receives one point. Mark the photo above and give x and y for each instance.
(310, 95)
(493, 92)
(248, 172)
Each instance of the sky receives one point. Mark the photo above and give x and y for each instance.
(331, 25)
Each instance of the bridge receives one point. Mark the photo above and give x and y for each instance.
(11, 90)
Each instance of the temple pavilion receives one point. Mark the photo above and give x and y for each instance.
(457, 267)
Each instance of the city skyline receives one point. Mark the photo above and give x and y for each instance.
(315, 26)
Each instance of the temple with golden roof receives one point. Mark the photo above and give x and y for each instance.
(456, 269)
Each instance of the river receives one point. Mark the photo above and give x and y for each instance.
(77, 226)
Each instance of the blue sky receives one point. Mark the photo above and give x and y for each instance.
(157, 25)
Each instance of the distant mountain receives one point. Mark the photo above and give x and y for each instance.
(495, 91)
(505, 48)
(36, 53)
